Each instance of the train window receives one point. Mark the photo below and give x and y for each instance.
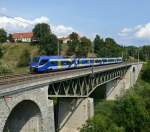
(79, 61)
(42, 62)
(69, 62)
(65, 62)
(97, 61)
(104, 60)
(35, 59)
(54, 63)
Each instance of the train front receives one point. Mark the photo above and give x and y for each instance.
(34, 65)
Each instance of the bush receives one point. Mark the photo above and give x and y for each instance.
(146, 72)
(24, 58)
(102, 120)
(101, 123)
(129, 112)
(1, 52)
(4, 69)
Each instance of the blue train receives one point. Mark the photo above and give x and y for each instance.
(53, 63)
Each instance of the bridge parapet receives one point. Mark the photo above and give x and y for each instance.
(30, 82)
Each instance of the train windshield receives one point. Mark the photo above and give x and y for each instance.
(44, 61)
(36, 59)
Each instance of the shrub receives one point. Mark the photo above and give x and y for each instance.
(101, 123)
(24, 58)
(129, 112)
(4, 69)
(146, 72)
(1, 52)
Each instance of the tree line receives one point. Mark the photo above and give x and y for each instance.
(129, 113)
(80, 46)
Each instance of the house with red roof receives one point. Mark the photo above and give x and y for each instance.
(22, 37)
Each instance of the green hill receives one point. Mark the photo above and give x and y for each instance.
(12, 55)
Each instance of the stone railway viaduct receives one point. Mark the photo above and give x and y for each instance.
(28, 105)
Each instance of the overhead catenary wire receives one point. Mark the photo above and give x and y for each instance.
(14, 18)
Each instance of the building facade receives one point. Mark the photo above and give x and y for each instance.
(22, 37)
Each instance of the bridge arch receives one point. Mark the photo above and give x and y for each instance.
(24, 117)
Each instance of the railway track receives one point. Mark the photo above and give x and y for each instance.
(16, 78)
(9, 79)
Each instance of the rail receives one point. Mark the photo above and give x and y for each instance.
(16, 78)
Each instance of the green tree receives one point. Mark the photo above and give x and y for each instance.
(107, 47)
(1, 51)
(48, 42)
(132, 51)
(84, 47)
(99, 47)
(129, 112)
(10, 38)
(3, 36)
(74, 36)
(73, 44)
(113, 49)
(146, 72)
(145, 53)
(101, 123)
(41, 30)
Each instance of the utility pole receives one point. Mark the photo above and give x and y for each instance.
(93, 59)
(58, 49)
(138, 56)
(123, 52)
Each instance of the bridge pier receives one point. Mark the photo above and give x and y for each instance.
(73, 113)
(117, 87)
(27, 111)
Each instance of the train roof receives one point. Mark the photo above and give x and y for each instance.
(50, 57)
(61, 57)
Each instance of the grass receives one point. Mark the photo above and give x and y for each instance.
(12, 53)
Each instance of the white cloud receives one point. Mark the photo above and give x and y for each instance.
(143, 32)
(125, 31)
(61, 30)
(19, 24)
(137, 27)
(139, 31)
(136, 35)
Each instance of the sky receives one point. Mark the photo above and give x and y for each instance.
(127, 21)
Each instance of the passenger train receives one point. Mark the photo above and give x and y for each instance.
(40, 64)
